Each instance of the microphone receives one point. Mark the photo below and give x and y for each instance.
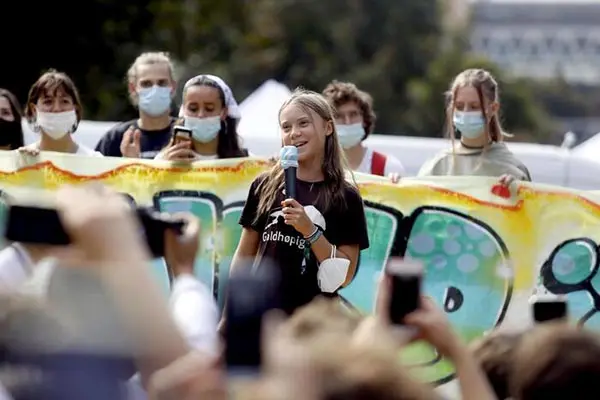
(288, 158)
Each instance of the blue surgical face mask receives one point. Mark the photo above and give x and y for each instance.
(350, 135)
(204, 130)
(471, 124)
(154, 100)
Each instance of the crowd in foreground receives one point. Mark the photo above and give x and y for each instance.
(322, 351)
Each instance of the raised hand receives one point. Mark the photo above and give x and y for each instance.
(130, 145)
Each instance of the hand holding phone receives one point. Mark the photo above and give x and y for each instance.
(181, 134)
(405, 292)
(154, 225)
(38, 225)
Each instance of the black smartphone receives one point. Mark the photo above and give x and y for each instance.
(250, 296)
(549, 309)
(154, 225)
(38, 225)
(406, 277)
(181, 134)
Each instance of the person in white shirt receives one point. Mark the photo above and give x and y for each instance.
(191, 304)
(27, 269)
(355, 121)
(54, 110)
(85, 299)
(80, 297)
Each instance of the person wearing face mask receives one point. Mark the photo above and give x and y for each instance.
(355, 120)
(472, 112)
(11, 131)
(151, 89)
(54, 111)
(210, 111)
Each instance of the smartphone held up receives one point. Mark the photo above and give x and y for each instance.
(547, 308)
(181, 134)
(39, 225)
(251, 295)
(406, 277)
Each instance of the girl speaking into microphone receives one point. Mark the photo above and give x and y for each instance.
(315, 238)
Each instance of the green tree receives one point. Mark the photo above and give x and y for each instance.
(378, 44)
(396, 50)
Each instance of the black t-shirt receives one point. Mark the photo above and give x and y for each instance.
(283, 246)
(151, 142)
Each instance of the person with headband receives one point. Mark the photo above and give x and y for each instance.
(210, 111)
(151, 84)
(472, 112)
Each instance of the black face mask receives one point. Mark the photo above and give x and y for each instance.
(9, 131)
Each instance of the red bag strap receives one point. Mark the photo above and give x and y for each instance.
(378, 164)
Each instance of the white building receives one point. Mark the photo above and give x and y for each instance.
(540, 39)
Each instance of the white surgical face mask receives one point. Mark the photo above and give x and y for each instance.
(56, 125)
(204, 130)
(332, 272)
(155, 100)
(471, 124)
(350, 135)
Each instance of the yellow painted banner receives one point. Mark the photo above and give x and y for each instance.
(483, 253)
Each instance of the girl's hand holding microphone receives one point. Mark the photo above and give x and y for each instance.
(294, 215)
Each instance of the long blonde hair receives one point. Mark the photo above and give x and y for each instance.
(487, 89)
(332, 194)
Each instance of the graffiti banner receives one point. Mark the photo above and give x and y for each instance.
(484, 249)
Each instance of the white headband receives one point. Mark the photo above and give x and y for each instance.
(233, 110)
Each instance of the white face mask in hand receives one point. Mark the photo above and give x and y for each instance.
(56, 125)
(332, 272)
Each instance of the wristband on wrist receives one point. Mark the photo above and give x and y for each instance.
(312, 234)
(311, 240)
